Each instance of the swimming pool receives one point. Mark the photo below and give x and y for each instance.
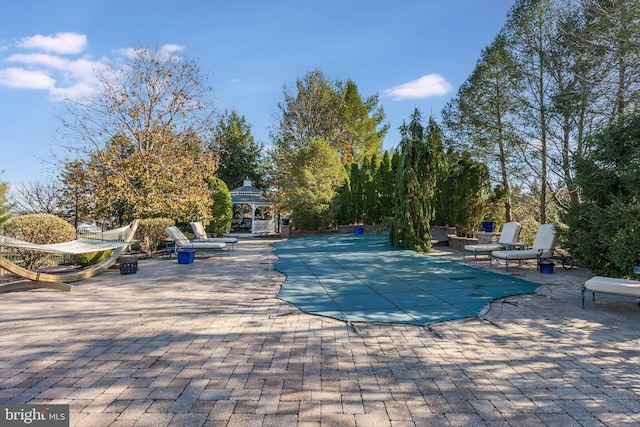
(361, 278)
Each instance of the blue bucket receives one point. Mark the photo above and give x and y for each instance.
(358, 230)
(186, 256)
(546, 266)
(488, 226)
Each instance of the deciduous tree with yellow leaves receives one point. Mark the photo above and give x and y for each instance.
(142, 146)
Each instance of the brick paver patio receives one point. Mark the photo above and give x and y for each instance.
(209, 344)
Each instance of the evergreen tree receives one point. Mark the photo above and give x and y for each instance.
(356, 192)
(332, 111)
(481, 118)
(604, 229)
(370, 191)
(385, 179)
(463, 193)
(422, 155)
(240, 155)
(222, 210)
(343, 203)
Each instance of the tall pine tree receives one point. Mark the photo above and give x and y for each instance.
(239, 153)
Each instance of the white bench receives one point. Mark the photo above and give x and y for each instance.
(610, 285)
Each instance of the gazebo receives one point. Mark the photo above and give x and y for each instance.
(252, 211)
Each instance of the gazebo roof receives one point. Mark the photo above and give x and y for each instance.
(248, 194)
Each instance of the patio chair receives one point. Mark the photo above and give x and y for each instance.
(508, 236)
(202, 236)
(543, 247)
(182, 242)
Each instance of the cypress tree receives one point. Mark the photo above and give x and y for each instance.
(370, 192)
(385, 179)
(422, 155)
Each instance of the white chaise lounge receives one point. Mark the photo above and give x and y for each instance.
(182, 242)
(509, 235)
(201, 236)
(610, 285)
(543, 247)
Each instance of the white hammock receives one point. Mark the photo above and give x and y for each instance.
(120, 239)
(96, 242)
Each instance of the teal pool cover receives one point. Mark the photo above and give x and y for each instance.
(361, 278)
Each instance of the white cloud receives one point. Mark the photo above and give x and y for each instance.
(43, 59)
(165, 51)
(67, 78)
(26, 79)
(127, 52)
(424, 87)
(171, 48)
(57, 69)
(76, 91)
(61, 43)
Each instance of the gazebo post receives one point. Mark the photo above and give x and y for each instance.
(253, 218)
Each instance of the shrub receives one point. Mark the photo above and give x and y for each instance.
(463, 194)
(604, 227)
(151, 233)
(5, 206)
(91, 257)
(222, 210)
(315, 175)
(40, 229)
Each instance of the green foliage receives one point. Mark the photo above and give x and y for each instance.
(357, 195)
(316, 174)
(343, 202)
(338, 114)
(5, 206)
(76, 198)
(361, 120)
(604, 239)
(370, 197)
(91, 258)
(222, 211)
(604, 228)
(525, 211)
(335, 112)
(480, 119)
(611, 168)
(40, 229)
(463, 194)
(239, 153)
(367, 193)
(422, 157)
(151, 234)
(385, 178)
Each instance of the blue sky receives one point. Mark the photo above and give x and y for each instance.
(411, 53)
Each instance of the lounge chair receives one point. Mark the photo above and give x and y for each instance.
(117, 240)
(611, 285)
(202, 236)
(508, 236)
(182, 242)
(543, 247)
